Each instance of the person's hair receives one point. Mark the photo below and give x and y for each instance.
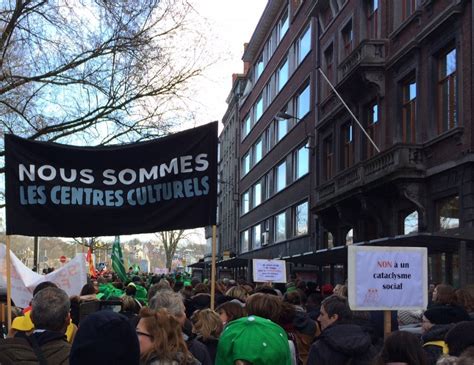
(264, 305)
(207, 323)
(265, 289)
(201, 288)
(50, 308)
(169, 300)
(336, 304)
(448, 360)
(293, 297)
(166, 335)
(163, 284)
(343, 291)
(237, 292)
(464, 299)
(467, 357)
(129, 304)
(88, 289)
(402, 346)
(445, 294)
(131, 290)
(44, 285)
(232, 309)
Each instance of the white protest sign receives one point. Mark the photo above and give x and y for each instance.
(161, 271)
(387, 278)
(71, 277)
(269, 271)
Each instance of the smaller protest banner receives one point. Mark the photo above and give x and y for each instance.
(265, 271)
(387, 278)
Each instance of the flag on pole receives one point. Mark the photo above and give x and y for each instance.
(117, 260)
(90, 262)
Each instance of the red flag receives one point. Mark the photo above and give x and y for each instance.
(89, 260)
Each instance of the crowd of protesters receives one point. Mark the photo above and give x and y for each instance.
(157, 320)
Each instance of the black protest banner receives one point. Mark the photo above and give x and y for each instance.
(59, 190)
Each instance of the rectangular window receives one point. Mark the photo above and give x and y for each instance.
(447, 93)
(304, 44)
(282, 126)
(280, 227)
(270, 137)
(246, 126)
(409, 111)
(328, 59)
(257, 236)
(283, 25)
(372, 19)
(258, 151)
(303, 103)
(257, 194)
(268, 185)
(347, 144)
(301, 219)
(328, 158)
(244, 241)
(302, 162)
(408, 8)
(259, 67)
(372, 127)
(245, 202)
(347, 38)
(281, 177)
(246, 164)
(258, 109)
(283, 73)
(448, 212)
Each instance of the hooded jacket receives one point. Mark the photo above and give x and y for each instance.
(436, 333)
(341, 344)
(53, 345)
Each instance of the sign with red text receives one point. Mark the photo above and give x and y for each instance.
(71, 277)
(387, 278)
(269, 271)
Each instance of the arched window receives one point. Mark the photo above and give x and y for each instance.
(410, 223)
(350, 237)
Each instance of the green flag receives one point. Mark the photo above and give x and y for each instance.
(117, 260)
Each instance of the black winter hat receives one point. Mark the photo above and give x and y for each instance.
(446, 314)
(105, 338)
(460, 337)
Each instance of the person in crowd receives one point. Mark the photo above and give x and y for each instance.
(207, 326)
(161, 340)
(327, 290)
(264, 305)
(444, 296)
(437, 321)
(229, 311)
(173, 302)
(88, 289)
(237, 292)
(402, 348)
(467, 357)
(466, 300)
(460, 337)
(253, 340)
(340, 289)
(47, 344)
(130, 306)
(313, 305)
(105, 338)
(340, 342)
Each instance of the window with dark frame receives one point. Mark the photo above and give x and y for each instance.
(408, 8)
(409, 111)
(347, 38)
(329, 59)
(347, 145)
(447, 93)
(372, 19)
(372, 127)
(328, 157)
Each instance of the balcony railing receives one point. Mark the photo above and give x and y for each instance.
(405, 160)
(368, 53)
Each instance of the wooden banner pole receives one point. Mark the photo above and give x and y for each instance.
(213, 267)
(9, 283)
(387, 323)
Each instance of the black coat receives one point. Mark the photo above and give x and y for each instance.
(340, 343)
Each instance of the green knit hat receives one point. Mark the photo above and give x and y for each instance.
(253, 339)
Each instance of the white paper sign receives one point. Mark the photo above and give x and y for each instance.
(71, 277)
(388, 278)
(273, 271)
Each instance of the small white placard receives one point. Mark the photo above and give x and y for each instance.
(265, 271)
(387, 278)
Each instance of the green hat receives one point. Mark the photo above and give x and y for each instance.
(253, 339)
